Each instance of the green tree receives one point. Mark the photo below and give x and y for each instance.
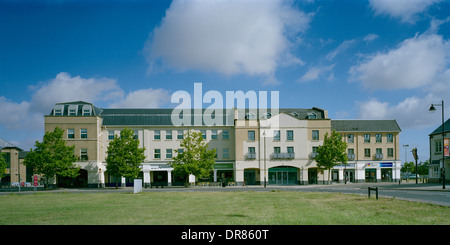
(124, 156)
(332, 152)
(195, 159)
(52, 157)
(3, 165)
(423, 168)
(408, 167)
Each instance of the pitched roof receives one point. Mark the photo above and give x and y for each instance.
(152, 117)
(365, 126)
(6, 144)
(439, 129)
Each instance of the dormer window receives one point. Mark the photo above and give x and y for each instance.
(73, 110)
(312, 115)
(87, 110)
(250, 115)
(295, 114)
(58, 110)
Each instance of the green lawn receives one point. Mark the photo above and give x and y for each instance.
(216, 208)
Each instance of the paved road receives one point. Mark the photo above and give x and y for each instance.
(428, 193)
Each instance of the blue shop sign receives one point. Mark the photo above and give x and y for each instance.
(385, 165)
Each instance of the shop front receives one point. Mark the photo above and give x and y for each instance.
(283, 175)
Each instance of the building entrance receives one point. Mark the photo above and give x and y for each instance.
(283, 176)
(371, 175)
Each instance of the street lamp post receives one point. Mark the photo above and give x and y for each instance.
(264, 136)
(432, 109)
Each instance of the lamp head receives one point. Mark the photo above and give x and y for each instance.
(432, 108)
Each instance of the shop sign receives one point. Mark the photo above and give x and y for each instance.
(446, 150)
(385, 165)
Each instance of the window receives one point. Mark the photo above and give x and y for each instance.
(72, 112)
(83, 155)
(86, 112)
(71, 133)
(225, 135)
(290, 135)
(168, 134)
(379, 153)
(378, 138)
(58, 112)
(290, 149)
(214, 134)
(168, 153)
(203, 134)
(390, 152)
(251, 135)
(180, 135)
(315, 135)
(276, 135)
(110, 135)
(351, 153)
(251, 150)
(179, 151)
(226, 153)
(350, 138)
(366, 138)
(390, 138)
(157, 154)
(276, 150)
(157, 135)
(366, 152)
(438, 146)
(136, 134)
(83, 133)
(314, 151)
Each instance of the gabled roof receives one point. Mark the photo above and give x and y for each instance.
(365, 126)
(6, 144)
(439, 129)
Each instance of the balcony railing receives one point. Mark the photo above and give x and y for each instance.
(250, 156)
(288, 155)
(379, 156)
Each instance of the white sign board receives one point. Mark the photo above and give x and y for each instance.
(137, 186)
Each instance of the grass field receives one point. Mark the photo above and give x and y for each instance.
(215, 208)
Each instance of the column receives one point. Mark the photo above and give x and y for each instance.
(215, 175)
(124, 184)
(169, 177)
(146, 178)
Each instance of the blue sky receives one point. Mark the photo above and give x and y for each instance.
(358, 59)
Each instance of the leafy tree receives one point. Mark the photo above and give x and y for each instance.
(3, 165)
(124, 155)
(332, 152)
(195, 159)
(52, 157)
(423, 168)
(408, 167)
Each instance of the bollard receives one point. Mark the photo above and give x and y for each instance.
(373, 189)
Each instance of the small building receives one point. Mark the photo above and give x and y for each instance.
(437, 148)
(16, 172)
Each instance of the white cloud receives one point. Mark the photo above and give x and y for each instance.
(316, 72)
(341, 48)
(144, 98)
(228, 37)
(66, 88)
(416, 62)
(406, 10)
(370, 37)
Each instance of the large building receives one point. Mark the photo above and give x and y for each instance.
(272, 147)
(438, 148)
